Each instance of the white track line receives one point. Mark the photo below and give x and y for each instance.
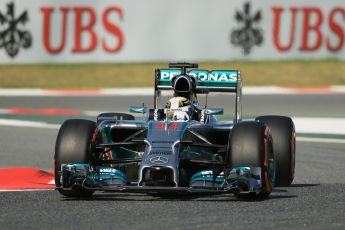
(21, 92)
(319, 125)
(29, 124)
(320, 140)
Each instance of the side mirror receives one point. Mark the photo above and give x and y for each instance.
(138, 109)
(214, 111)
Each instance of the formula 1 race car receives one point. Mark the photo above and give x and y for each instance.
(177, 148)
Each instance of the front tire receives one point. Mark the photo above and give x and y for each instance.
(250, 145)
(73, 145)
(284, 139)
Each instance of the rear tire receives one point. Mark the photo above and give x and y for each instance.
(250, 144)
(284, 139)
(73, 145)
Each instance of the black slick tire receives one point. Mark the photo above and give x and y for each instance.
(284, 145)
(73, 146)
(250, 145)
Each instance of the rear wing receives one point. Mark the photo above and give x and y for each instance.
(206, 81)
(225, 81)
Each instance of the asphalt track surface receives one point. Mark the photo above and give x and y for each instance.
(316, 200)
(321, 105)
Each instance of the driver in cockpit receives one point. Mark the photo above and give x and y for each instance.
(184, 105)
(181, 109)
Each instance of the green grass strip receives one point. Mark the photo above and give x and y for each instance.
(87, 76)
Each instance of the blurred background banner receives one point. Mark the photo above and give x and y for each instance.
(64, 31)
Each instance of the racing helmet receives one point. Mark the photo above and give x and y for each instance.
(179, 108)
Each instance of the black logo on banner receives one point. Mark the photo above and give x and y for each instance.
(12, 34)
(248, 35)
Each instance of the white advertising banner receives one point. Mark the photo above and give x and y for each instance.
(65, 31)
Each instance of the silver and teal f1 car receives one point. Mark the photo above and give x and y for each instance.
(177, 150)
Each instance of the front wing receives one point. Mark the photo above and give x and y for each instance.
(100, 178)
